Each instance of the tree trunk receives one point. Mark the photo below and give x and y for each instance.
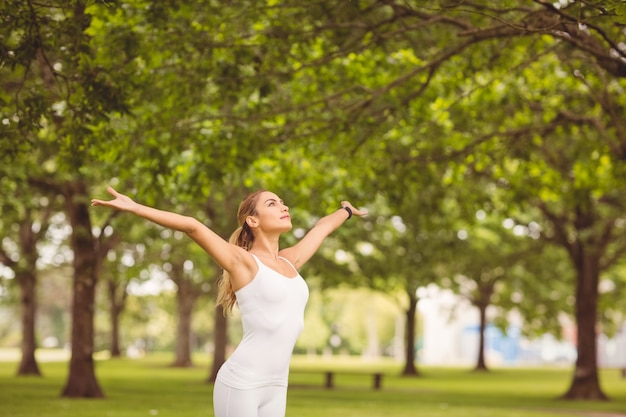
(27, 281)
(26, 276)
(221, 340)
(82, 378)
(409, 366)
(186, 296)
(480, 363)
(585, 383)
(115, 310)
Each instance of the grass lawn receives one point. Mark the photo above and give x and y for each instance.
(148, 387)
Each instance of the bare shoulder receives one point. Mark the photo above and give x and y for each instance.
(241, 259)
(291, 255)
(243, 268)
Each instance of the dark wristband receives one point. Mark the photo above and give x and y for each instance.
(349, 210)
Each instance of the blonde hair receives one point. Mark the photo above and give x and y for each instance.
(242, 237)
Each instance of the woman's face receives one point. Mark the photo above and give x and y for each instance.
(271, 213)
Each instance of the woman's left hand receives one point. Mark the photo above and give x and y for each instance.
(355, 211)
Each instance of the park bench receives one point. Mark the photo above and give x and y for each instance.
(330, 380)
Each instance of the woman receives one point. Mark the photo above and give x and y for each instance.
(263, 280)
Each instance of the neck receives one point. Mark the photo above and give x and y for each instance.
(265, 247)
(265, 255)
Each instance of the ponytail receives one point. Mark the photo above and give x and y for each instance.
(243, 238)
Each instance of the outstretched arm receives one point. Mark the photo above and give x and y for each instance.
(228, 256)
(302, 251)
(163, 218)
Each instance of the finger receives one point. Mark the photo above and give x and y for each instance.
(112, 191)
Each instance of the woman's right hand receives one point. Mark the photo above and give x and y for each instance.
(120, 202)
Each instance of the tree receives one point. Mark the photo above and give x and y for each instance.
(123, 264)
(58, 95)
(186, 265)
(32, 221)
(398, 251)
(556, 171)
(385, 57)
(485, 262)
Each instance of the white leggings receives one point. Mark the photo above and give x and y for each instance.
(256, 402)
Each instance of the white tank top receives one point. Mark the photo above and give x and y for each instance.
(272, 314)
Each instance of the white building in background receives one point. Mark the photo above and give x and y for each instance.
(450, 338)
(444, 316)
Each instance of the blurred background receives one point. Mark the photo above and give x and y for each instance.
(487, 141)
